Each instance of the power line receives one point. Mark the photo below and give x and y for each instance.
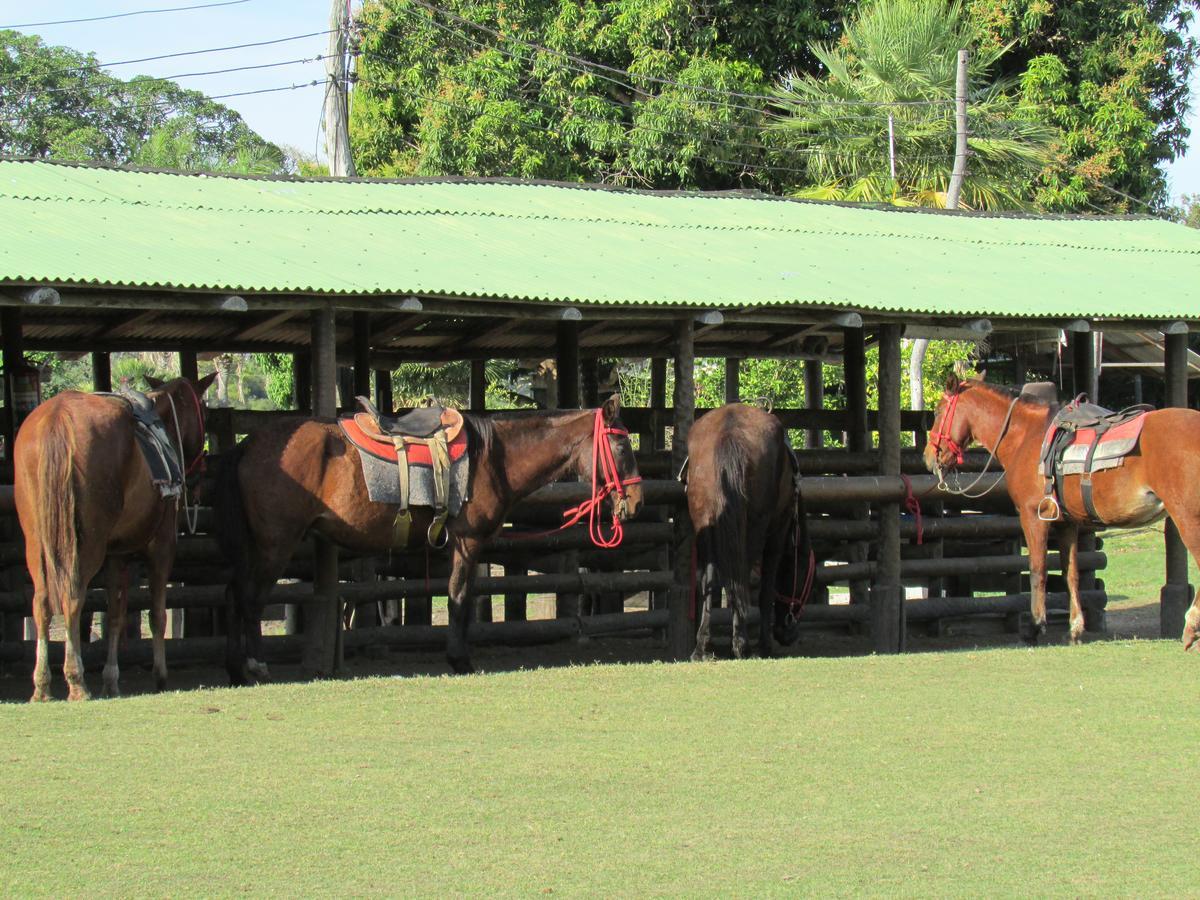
(591, 65)
(118, 85)
(129, 62)
(139, 12)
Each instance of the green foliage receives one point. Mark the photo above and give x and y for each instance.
(437, 97)
(1112, 77)
(1189, 212)
(278, 382)
(57, 103)
(898, 59)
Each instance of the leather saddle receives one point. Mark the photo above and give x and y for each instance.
(432, 427)
(419, 423)
(1084, 438)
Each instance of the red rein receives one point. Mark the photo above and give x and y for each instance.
(604, 465)
(940, 439)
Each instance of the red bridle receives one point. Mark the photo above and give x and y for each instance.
(940, 439)
(604, 465)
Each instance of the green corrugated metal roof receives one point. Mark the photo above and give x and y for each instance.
(66, 224)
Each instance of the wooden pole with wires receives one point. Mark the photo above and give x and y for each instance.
(337, 93)
(959, 174)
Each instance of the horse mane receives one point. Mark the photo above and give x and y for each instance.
(481, 430)
(1010, 392)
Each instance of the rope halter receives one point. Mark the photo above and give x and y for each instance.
(606, 479)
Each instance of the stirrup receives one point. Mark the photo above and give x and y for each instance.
(1057, 509)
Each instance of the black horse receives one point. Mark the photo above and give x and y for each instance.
(744, 499)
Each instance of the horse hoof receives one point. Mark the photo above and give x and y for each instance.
(705, 656)
(78, 693)
(110, 692)
(462, 667)
(40, 695)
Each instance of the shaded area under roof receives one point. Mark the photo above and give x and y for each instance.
(83, 225)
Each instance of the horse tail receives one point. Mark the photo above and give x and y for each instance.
(58, 530)
(730, 526)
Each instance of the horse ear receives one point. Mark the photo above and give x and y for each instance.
(203, 384)
(155, 383)
(612, 409)
(980, 375)
(952, 382)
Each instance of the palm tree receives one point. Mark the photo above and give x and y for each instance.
(897, 59)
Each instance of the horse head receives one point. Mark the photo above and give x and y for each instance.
(179, 403)
(951, 433)
(612, 451)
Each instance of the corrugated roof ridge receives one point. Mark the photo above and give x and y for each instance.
(741, 194)
(613, 220)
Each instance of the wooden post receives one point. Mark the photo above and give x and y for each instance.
(589, 382)
(383, 391)
(478, 385)
(567, 357)
(188, 366)
(1083, 372)
(515, 601)
(337, 93)
(887, 594)
(814, 398)
(733, 387)
(658, 400)
(959, 174)
(10, 341)
(1176, 595)
(101, 371)
(302, 381)
(323, 616)
(681, 631)
(858, 437)
(362, 355)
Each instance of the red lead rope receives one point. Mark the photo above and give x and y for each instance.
(604, 464)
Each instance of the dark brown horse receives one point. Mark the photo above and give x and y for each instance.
(84, 494)
(301, 476)
(1159, 478)
(744, 500)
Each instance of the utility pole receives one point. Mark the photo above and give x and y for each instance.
(916, 375)
(337, 93)
(960, 127)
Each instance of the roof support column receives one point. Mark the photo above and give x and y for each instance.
(589, 384)
(478, 385)
(858, 439)
(814, 399)
(1083, 346)
(658, 401)
(1176, 595)
(14, 359)
(302, 380)
(681, 632)
(733, 386)
(189, 367)
(566, 354)
(102, 371)
(887, 593)
(1082, 368)
(362, 355)
(323, 615)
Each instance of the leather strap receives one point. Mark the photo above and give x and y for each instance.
(403, 519)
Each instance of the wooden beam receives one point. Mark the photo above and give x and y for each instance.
(31, 296)
(362, 354)
(101, 372)
(127, 326)
(1176, 595)
(796, 316)
(681, 630)
(265, 326)
(888, 627)
(733, 390)
(567, 357)
(403, 324)
(1174, 328)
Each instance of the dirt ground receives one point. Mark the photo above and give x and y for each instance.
(1126, 619)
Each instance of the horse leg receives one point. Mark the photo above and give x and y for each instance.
(161, 557)
(41, 620)
(709, 596)
(115, 573)
(252, 613)
(462, 581)
(1188, 527)
(1036, 534)
(767, 595)
(1068, 548)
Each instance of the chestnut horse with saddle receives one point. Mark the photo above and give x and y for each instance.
(1076, 467)
(324, 476)
(100, 477)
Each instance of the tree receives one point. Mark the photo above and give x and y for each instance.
(897, 60)
(57, 103)
(466, 90)
(1189, 213)
(1112, 76)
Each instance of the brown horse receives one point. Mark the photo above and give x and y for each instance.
(84, 494)
(303, 475)
(1158, 479)
(744, 500)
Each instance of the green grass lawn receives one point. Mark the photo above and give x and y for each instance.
(1061, 771)
(998, 772)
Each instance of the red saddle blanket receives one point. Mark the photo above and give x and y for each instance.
(1115, 444)
(418, 454)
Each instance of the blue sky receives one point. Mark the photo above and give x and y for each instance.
(288, 117)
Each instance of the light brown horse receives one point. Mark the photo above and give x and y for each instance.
(84, 494)
(1160, 478)
(303, 475)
